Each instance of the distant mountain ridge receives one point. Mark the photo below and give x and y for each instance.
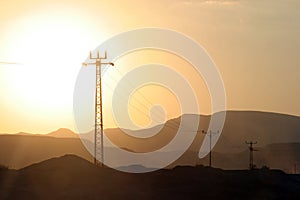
(276, 135)
(59, 133)
(266, 127)
(63, 133)
(240, 126)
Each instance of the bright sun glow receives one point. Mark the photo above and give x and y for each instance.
(50, 49)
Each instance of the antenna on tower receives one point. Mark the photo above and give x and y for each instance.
(98, 134)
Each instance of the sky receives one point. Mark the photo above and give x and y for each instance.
(255, 45)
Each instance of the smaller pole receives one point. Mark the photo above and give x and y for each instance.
(251, 149)
(209, 148)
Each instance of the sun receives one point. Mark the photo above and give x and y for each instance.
(50, 48)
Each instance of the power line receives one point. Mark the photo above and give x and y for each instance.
(137, 100)
(138, 109)
(141, 95)
(170, 125)
(161, 115)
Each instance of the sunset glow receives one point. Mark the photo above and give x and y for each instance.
(254, 44)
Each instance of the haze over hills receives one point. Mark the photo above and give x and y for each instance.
(71, 177)
(59, 133)
(266, 128)
(18, 151)
(278, 137)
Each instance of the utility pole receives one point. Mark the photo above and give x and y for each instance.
(98, 133)
(251, 149)
(210, 135)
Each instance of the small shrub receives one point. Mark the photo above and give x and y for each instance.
(265, 167)
(3, 167)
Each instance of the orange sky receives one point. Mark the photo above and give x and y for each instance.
(255, 44)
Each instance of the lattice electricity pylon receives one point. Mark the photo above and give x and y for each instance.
(98, 135)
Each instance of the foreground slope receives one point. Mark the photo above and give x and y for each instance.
(70, 177)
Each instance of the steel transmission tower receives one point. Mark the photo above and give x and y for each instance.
(251, 149)
(98, 134)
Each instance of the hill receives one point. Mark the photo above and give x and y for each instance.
(266, 128)
(63, 133)
(17, 151)
(278, 137)
(70, 177)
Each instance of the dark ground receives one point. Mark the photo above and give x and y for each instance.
(70, 177)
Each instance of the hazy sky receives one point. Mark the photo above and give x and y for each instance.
(255, 44)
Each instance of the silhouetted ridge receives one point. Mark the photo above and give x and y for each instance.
(66, 162)
(71, 177)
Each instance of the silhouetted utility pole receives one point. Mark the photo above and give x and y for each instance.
(98, 137)
(210, 135)
(251, 149)
(295, 168)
